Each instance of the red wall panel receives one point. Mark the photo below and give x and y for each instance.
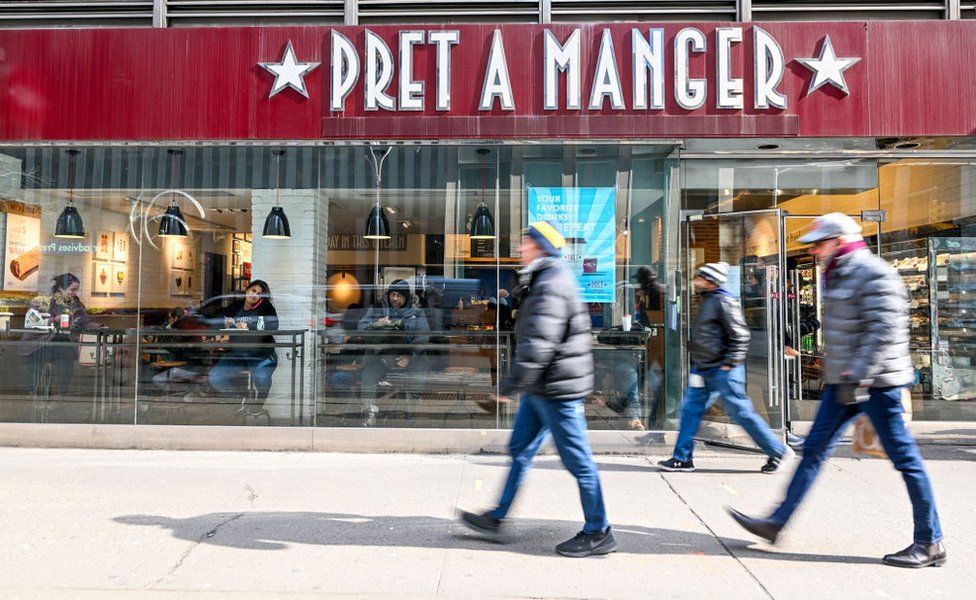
(205, 84)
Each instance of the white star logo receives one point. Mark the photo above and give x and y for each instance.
(827, 68)
(289, 72)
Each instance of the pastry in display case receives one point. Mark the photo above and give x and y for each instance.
(912, 264)
(952, 274)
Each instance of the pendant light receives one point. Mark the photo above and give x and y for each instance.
(377, 227)
(276, 224)
(483, 224)
(172, 223)
(69, 223)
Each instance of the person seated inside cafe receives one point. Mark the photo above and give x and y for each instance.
(230, 375)
(348, 361)
(187, 362)
(407, 325)
(68, 318)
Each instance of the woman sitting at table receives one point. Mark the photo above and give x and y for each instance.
(254, 312)
(69, 318)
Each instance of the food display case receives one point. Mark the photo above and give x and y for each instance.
(952, 298)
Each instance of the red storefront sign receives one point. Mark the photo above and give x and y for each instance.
(484, 81)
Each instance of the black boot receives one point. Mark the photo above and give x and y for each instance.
(485, 524)
(917, 556)
(588, 544)
(764, 528)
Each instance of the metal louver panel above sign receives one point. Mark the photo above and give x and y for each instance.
(256, 12)
(62, 13)
(791, 10)
(643, 10)
(116, 13)
(410, 11)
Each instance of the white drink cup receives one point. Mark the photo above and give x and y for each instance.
(626, 321)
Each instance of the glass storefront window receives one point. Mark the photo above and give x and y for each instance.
(126, 269)
(927, 221)
(456, 329)
(930, 237)
(140, 303)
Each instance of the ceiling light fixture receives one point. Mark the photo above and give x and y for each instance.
(69, 223)
(276, 225)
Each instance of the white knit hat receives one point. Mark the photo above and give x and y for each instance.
(717, 273)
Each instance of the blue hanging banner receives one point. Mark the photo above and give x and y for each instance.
(586, 217)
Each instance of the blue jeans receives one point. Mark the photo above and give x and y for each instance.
(731, 385)
(536, 417)
(626, 380)
(884, 409)
(227, 369)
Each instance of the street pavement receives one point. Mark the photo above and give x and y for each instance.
(80, 524)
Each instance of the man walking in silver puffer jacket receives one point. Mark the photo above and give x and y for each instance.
(866, 332)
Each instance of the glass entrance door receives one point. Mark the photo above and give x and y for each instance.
(804, 308)
(752, 243)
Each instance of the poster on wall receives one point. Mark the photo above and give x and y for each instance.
(178, 284)
(104, 245)
(586, 217)
(119, 281)
(23, 253)
(103, 278)
(121, 248)
(179, 255)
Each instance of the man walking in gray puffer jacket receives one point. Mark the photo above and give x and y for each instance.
(719, 339)
(553, 369)
(865, 328)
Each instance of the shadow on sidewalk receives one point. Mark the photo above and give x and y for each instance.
(277, 530)
(604, 467)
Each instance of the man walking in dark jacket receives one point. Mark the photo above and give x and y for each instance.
(719, 339)
(553, 369)
(866, 333)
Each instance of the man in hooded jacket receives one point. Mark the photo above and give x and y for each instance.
(398, 315)
(553, 369)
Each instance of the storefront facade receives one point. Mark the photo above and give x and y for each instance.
(409, 158)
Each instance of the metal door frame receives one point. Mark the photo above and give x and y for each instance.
(775, 314)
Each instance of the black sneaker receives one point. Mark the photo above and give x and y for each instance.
(485, 524)
(588, 544)
(775, 464)
(673, 465)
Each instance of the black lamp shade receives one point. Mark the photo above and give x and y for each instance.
(172, 224)
(69, 224)
(377, 227)
(483, 224)
(276, 225)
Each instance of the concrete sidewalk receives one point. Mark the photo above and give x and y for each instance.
(85, 524)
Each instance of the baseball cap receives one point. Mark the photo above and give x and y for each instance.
(831, 225)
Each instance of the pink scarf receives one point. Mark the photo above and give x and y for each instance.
(843, 250)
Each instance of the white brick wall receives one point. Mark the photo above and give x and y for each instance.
(295, 270)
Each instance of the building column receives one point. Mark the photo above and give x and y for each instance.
(351, 12)
(743, 10)
(953, 9)
(159, 14)
(295, 270)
